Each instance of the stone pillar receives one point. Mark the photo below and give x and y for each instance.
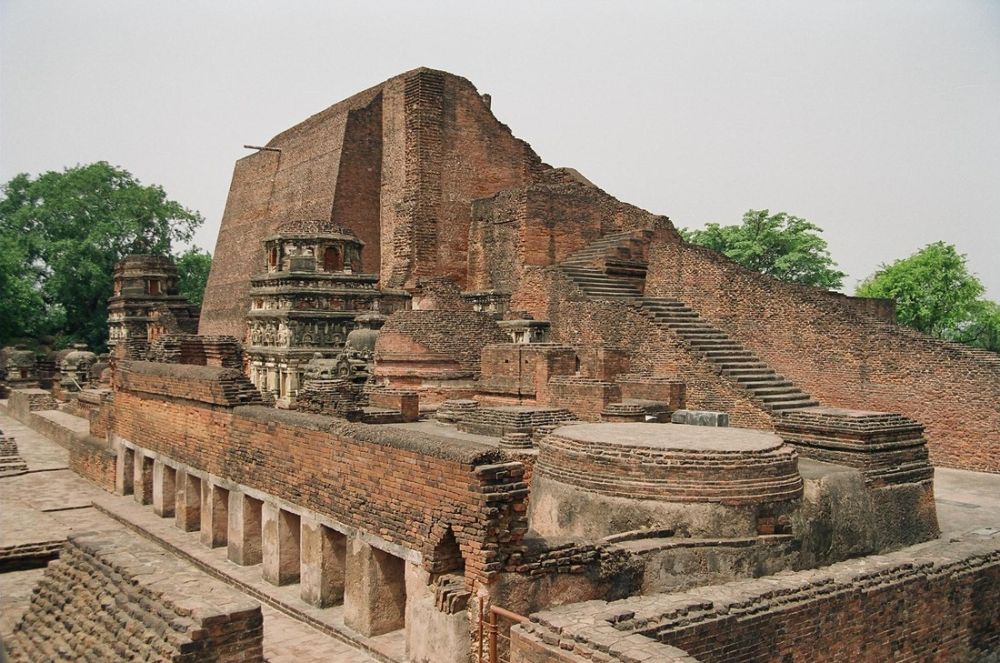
(164, 489)
(323, 556)
(124, 470)
(142, 479)
(244, 546)
(280, 532)
(187, 508)
(214, 515)
(374, 590)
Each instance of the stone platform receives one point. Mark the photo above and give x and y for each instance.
(602, 479)
(498, 421)
(888, 448)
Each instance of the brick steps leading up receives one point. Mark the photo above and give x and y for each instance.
(732, 360)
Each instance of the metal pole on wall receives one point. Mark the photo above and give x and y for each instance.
(481, 617)
(493, 637)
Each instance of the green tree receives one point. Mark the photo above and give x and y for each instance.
(983, 330)
(64, 231)
(933, 288)
(192, 267)
(786, 247)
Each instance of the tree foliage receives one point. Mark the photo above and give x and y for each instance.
(786, 247)
(192, 267)
(937, 294)
(61, 234)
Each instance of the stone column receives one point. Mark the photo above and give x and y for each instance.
(374, 590)
(124, 470)
(280, 532)
(244, 547)
(142, 479)
(187, 508)
(323, 555)
(214, 515)
(164, 489)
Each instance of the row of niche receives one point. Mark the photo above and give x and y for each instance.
(312, 303)
(324, 334)
(311, 256)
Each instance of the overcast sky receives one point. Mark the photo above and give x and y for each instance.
(877, 120)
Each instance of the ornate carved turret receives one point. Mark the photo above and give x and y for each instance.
(305, 303)
(145, 298)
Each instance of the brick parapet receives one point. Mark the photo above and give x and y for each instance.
(206, 384)
(890, 607)
(887, 448)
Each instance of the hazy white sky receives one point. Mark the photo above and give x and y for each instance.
(877, 120)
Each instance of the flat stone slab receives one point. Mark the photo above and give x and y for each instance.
(671, 437)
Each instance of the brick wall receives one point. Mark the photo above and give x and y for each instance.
(542, 224)
(407, 489)
(841, 356)
(398, 163)
(524, 370)
(100, 602)
(584, 397)
(938, 604)
(92, 459)
(457, 336)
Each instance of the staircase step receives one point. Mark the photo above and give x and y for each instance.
(792, 405)
(782, 398)
(753, 375)
(767, 384)
(773, 391)
(737, 365)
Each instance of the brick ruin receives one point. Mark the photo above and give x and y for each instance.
(438, 384)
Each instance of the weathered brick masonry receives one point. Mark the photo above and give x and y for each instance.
(935, 603)
(406, 489)
(398, 163)
(581, 322)
(842, 355)
(99, 602)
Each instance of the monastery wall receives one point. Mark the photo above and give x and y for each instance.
(827, 345)
(406, 489)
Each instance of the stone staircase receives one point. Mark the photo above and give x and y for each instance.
(734, 362)
(589, 269)
(598, 285)
(621, 246)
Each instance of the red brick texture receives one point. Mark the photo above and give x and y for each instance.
(843, 357)
(93, 460)
(393, 485)
(939, 606)
(399, 163)
(543, 224)
(99, 602)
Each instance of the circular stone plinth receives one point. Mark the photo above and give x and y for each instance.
(671, 463)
